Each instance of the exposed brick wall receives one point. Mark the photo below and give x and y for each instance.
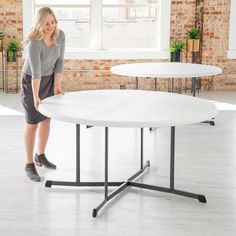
(11, 24)
(215, 42)
(11, 19)
(95, 73)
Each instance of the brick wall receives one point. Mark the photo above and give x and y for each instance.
(215, 42)
(11, 24)
(94, 74)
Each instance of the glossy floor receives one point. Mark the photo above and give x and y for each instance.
(205, 164)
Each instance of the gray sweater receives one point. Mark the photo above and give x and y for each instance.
(42, 60)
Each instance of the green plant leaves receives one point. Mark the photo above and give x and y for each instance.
(13, 46)
(177, 46)
(193, 33)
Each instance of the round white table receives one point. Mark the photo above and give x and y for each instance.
(127, 108)
(169, 70)
(166, 70)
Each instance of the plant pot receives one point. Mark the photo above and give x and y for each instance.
(175, 56)
(11, 56)
(193, 45)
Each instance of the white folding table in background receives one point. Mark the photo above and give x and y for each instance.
(131, 109)
(168, 70)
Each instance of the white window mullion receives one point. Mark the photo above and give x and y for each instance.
(28, 16)
(96, 24)
(232, 32)
(163, 38)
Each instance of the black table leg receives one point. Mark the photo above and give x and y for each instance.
(171, 189)
(123, 185)
(78, 182)
(194, 80)
(129, 182)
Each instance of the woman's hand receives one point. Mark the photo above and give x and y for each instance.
(58, 90)
(57, 84)
(37, 101)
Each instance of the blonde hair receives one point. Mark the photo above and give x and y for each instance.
(36, 32)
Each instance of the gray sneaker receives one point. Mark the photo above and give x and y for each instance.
(32, 173)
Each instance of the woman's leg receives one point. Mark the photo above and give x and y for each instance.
(42, 135)
(29, 141)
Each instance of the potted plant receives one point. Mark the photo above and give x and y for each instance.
(193, 42)
(12, 48)
(1, 43)
(175, 49)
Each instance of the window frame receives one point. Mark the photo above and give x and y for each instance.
(95, 52)
(231, 54)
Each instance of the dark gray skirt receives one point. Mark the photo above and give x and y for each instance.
(46, 89)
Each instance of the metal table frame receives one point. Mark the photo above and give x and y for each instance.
(129, 182)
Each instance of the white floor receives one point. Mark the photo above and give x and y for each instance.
(205, 164)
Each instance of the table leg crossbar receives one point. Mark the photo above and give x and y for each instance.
(129, 182)
(200, 197)
(120, 189)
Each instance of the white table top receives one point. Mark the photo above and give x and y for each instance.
(127, 108)
(166, 70)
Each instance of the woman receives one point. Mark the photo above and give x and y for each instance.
(41, 78)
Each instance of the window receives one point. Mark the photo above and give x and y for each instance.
(132, 23)
(73, 18)
(110, 28)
